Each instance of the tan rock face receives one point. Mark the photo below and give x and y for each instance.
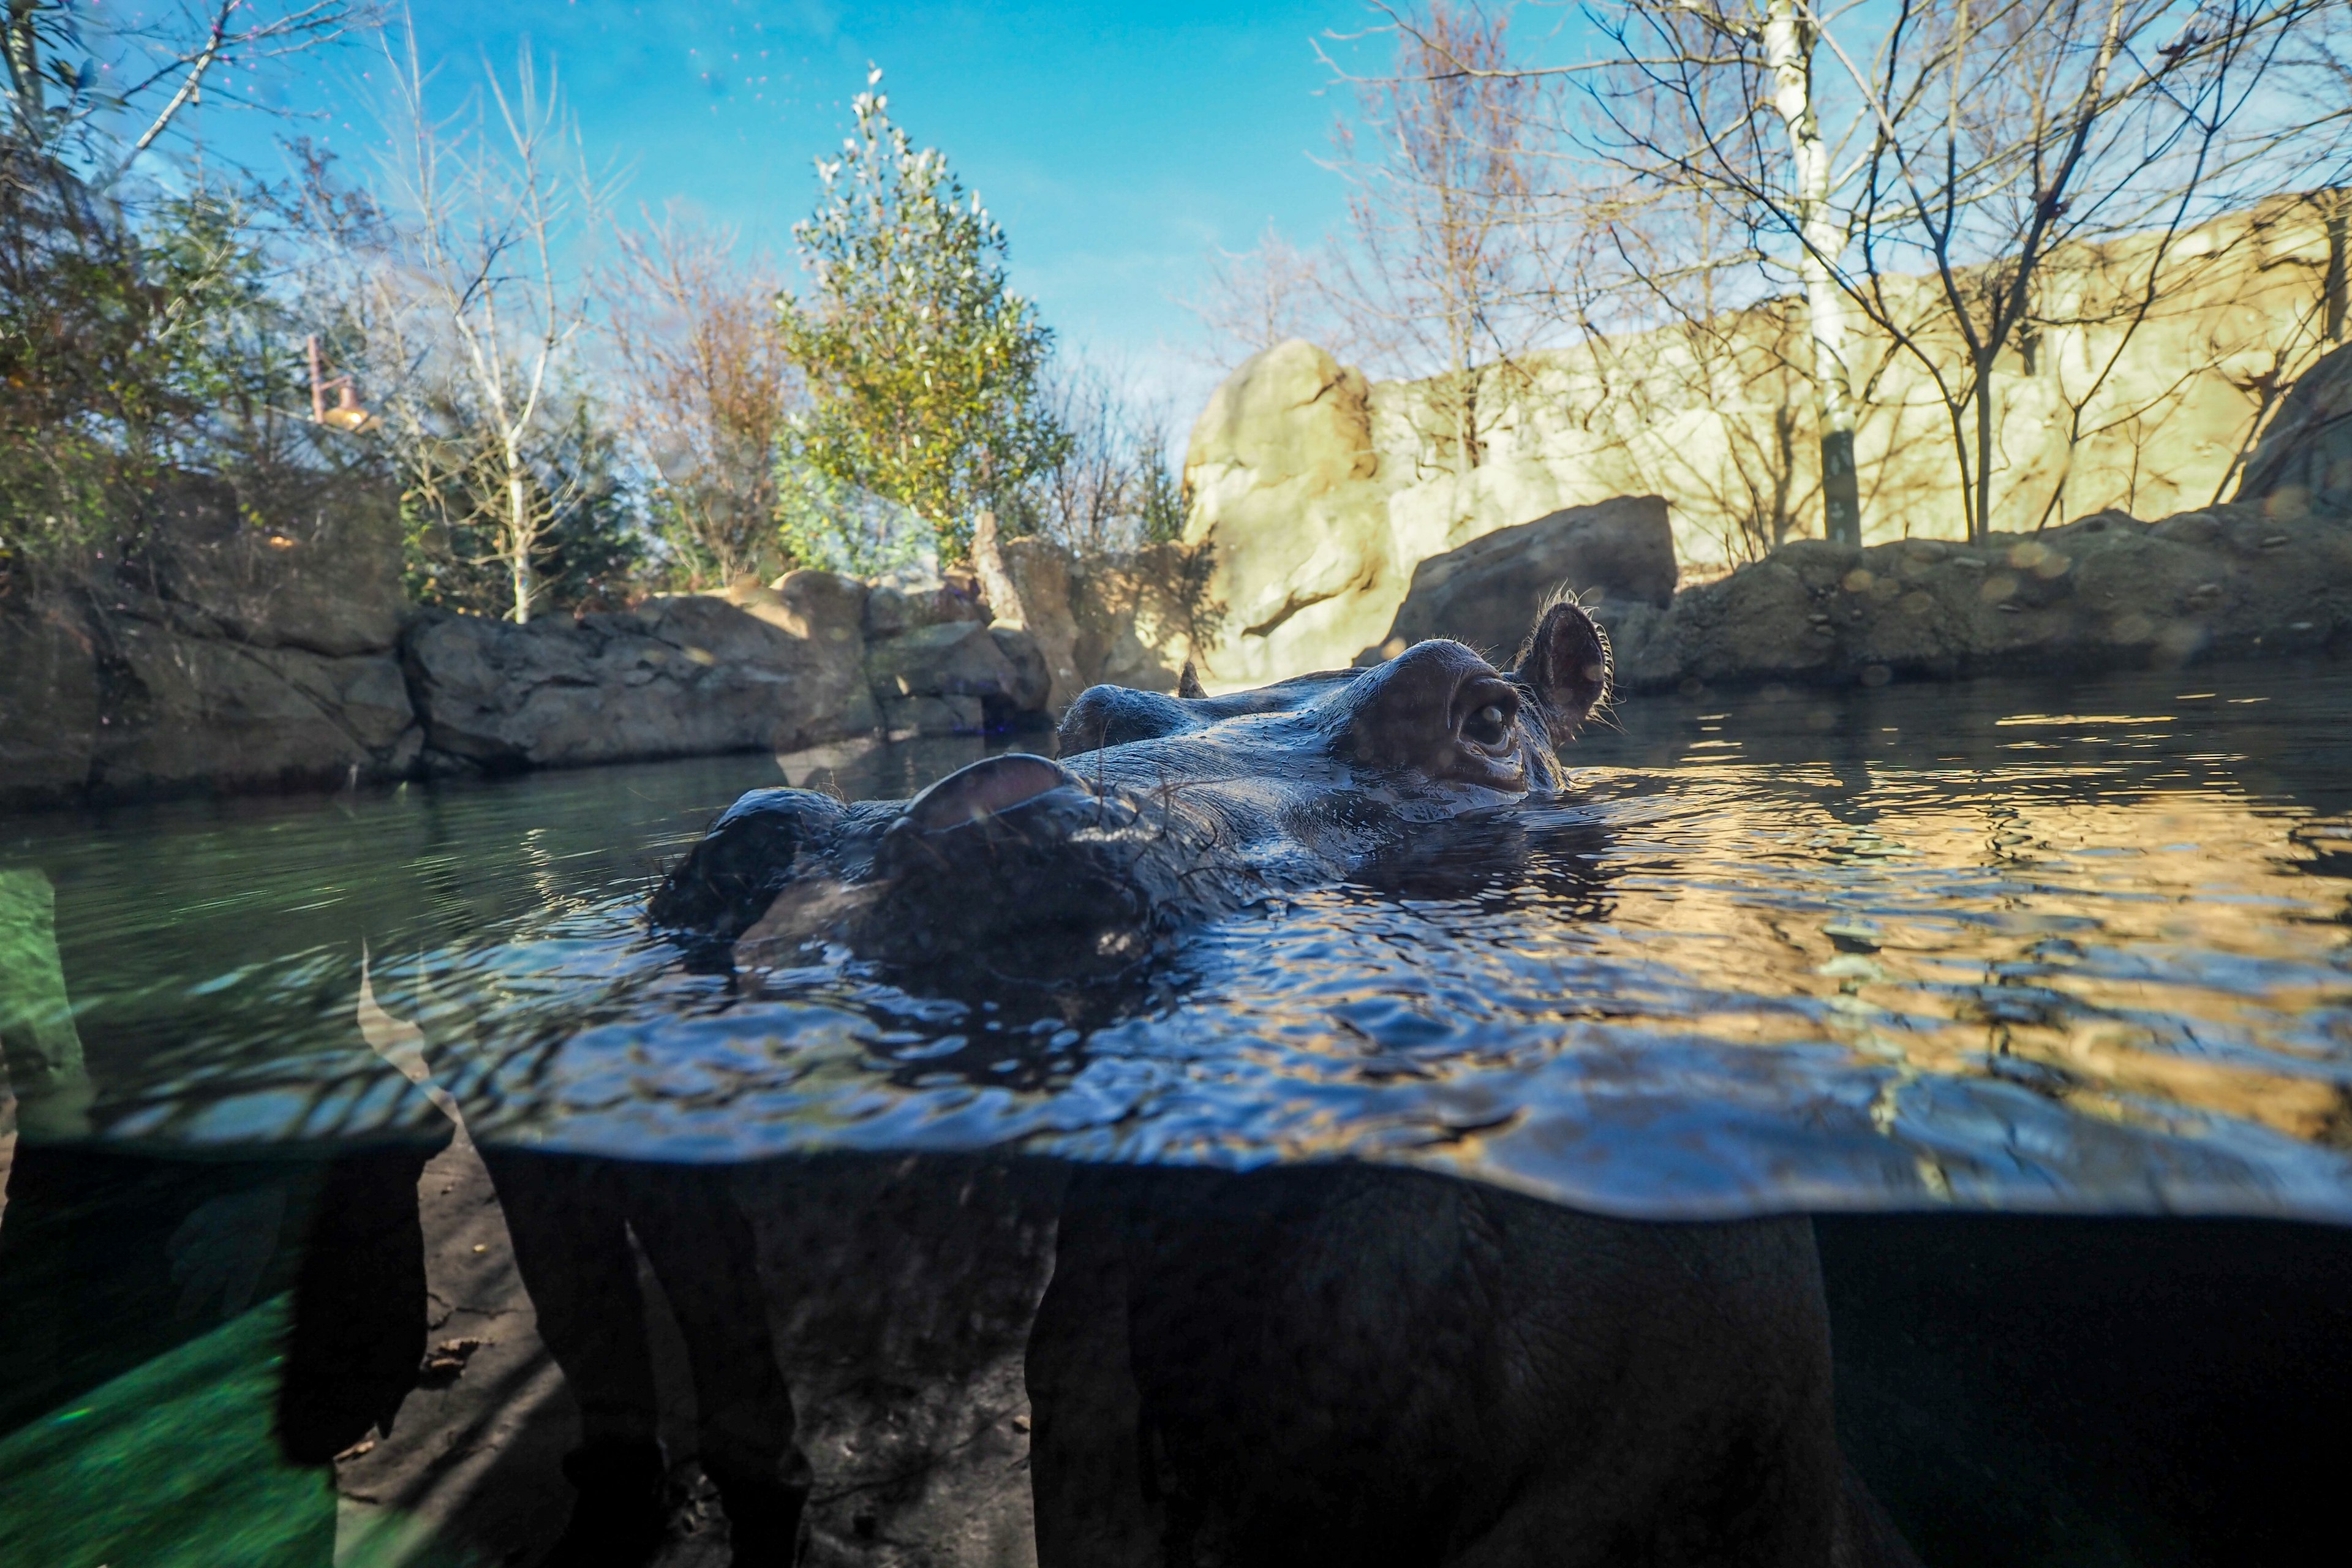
(1125, 619)
(1316, 495)
(1284, 500)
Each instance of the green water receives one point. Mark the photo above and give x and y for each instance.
(2040, 946)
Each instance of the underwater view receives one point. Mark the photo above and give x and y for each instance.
(1326, 783)
(372, 1156)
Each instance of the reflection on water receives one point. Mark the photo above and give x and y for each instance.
(2076, 948)
(380, 1193)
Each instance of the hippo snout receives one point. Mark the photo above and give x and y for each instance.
(1019, 857)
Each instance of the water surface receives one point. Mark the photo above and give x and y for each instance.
(2067, 946)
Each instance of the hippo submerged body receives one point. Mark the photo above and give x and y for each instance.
(1162, 812)
(1335, 1363)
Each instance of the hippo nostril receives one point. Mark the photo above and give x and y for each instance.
(990, 786)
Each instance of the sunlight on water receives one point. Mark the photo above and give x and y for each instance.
(1996, 944)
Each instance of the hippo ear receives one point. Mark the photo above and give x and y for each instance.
(1565, 663)
(1188, 683)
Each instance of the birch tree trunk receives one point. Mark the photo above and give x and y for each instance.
(1789, 42)
(521, 534)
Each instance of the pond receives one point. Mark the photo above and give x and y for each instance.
(1929, 957)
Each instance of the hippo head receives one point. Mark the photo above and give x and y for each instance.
(1162, 811)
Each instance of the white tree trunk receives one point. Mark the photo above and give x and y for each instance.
(1788, 41)
(518, 534)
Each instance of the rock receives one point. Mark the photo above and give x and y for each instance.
(2303, 461)
(818, 613)
(323, 577)
(1033, 683)
(103, 702)
(1137, 615)
(998, 592)
(2106, 591)
(884, 614)
(904, 718)
(1492, 589)
(181, 711)
(890, 611)
(1028, 582)
(229, 651)
(1281, 471)
(1758, 620)
(823, 606)
(1128, 618)
(48, 700)
(948, 659)
(683, 676)
(1316, 495)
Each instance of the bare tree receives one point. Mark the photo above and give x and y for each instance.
(706, 389)
(1114, 488)
(1256, 299)
(484, 299)
(1440, 263)
(99, 88)
(1971, 141)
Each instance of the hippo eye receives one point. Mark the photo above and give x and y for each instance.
(1488, 725)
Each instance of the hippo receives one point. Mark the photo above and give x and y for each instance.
(1162, 811)
(1353, 1363)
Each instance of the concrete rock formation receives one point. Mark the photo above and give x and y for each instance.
(1125, 619)
(231, 657)
(1282, 475)
(2304, 458)
(223, 654)
(2229, 581)
(948, 678)
(1493, 588)
(330, 585)
(1314, 494)
(676, 677)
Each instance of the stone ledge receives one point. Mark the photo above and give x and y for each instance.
(2238, 580)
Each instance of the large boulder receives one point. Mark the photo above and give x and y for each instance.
(246, 643)
(1489, 591)
(1032, 682)
(182, 712)
(115, 694)
(2106, 591)
(2304, 460)
(1026, 583)
(825, 612)
(1128, 618)
(320, 573)
(681, 676)
(947, 659)
(1286, 505)
(49, 699)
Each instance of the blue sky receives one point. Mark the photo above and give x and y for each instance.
(1117, 143)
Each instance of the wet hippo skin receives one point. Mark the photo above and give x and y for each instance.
(1162, 811)
(1347, 1364)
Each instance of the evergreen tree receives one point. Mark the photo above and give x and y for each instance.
(922, 365)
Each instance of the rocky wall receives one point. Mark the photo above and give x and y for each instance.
(1315, 493)
(231, 655)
